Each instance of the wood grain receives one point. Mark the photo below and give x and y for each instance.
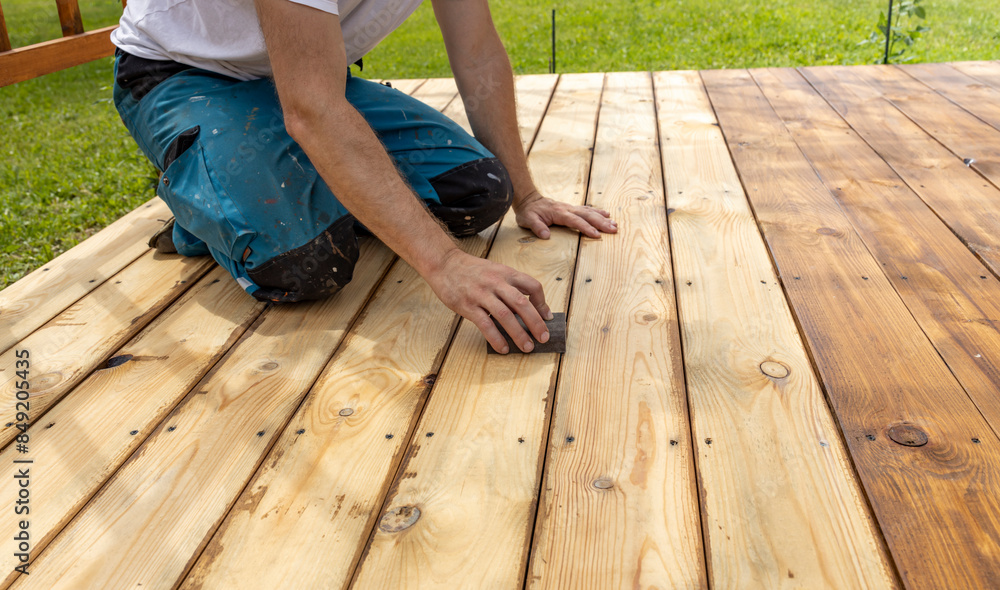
(41, 295)
(69, 17)
(437, 92)
(533, 95)
(149, 522)
(967, 92)
(74, 343)
(340, 493)
(753, 394)
(356, 422)
(953, 297)
(475, 481)
(956, 193)
(304, 519)
(25, 63)
(619, 506)
(878, 368)
(986, 72)
(957, 129)
(173, 353)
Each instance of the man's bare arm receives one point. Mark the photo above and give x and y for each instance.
(308, 60)
(485, 80)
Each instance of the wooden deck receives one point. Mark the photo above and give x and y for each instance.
(783, 371)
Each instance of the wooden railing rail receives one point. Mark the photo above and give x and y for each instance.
(76, 47)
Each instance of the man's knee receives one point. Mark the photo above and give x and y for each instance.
(314, 270)
(473, 196)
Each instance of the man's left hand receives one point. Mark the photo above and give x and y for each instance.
(537, 213)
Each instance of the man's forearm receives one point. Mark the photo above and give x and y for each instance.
(484, 77)
(358, 170)
(487, 88)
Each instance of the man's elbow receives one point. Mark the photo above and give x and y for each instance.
(296, 127)
(299, 119)
(306, 118)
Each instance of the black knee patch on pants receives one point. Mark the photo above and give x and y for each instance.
(312, 271)
(473, 196)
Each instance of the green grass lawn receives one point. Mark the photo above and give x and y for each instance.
(69, 167)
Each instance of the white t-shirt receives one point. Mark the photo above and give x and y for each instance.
(224, 36)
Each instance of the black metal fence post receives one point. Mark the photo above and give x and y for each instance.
(552, 62)
(888, 34)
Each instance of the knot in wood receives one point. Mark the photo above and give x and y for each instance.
(527, 240)
(118, 360)
(269, 366)
(774, 369)
(346, 412)
(604, 483)
(826, 231)
(908, 435)
(399, 519)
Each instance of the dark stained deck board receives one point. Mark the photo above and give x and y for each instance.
(751, 387)
(872, 344)
(961, 131)
(879, 369)
(960, 196)
(986, 72)
(945, 286)
(965, 91)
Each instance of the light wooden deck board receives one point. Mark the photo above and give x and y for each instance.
(81, 337)
(174, 352)
(489, 413)
(197, 463)
(377, 386)
(35, 299)
(612, 478)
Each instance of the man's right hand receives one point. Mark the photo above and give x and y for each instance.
(478, 289)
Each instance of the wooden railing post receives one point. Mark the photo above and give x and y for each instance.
(4, 39)
(69, 17)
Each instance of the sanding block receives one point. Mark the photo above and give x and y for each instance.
(557, 336)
